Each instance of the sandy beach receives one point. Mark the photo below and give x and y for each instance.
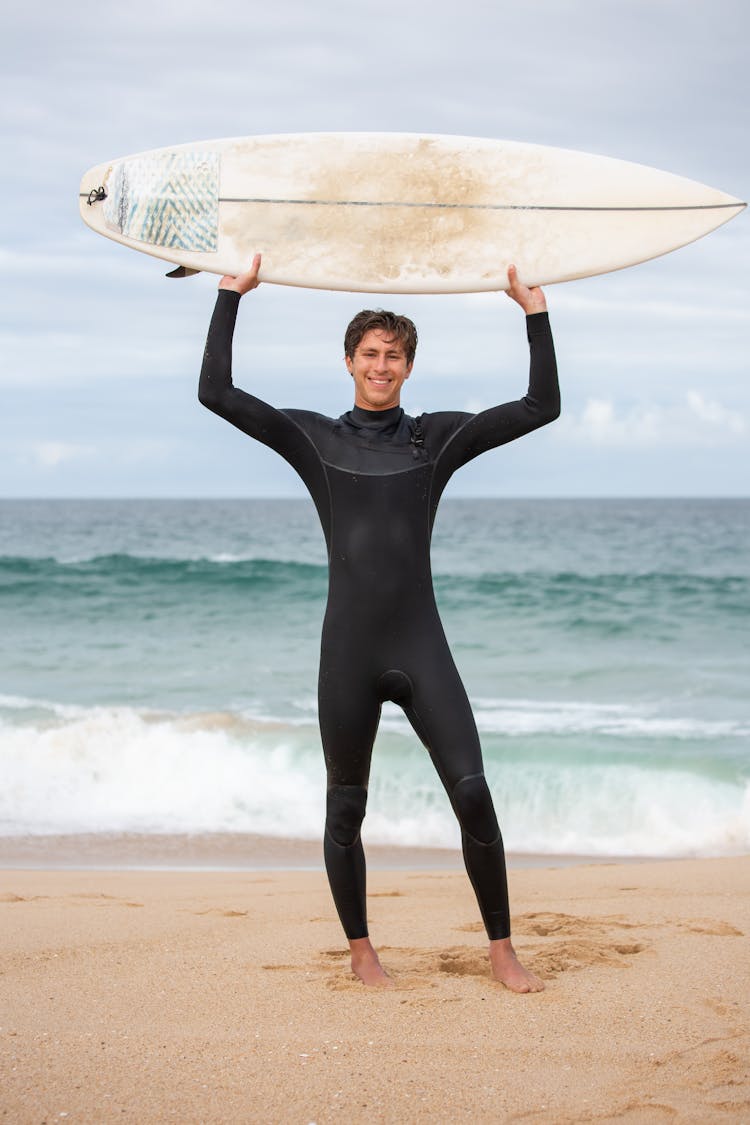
(226, 996)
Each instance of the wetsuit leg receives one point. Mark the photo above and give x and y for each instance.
(349, 713)
(345, 857)
(441, 715)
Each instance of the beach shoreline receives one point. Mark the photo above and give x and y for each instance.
(226, 996)
(237, 851)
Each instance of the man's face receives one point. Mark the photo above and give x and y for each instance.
(379, 370)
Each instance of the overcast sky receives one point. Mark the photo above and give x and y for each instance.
(100, 353)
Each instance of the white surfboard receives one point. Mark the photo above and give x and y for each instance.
(395, 212)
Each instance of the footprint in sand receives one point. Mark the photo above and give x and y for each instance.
(84, 898)
(569, 944)
(566, 957)
(463, 962)
(596, 942)
(547, 923)
(712, 927)
(95, 896)
(410, 969)
(223, 913)
(714, 1071)
(644, 1113)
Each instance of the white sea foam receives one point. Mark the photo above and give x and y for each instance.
(523, 717)
(621, 810)
(112, 769)
(77, 769)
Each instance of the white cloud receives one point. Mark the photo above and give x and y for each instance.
(601, 426)
(714, 413)
(694, 421)
(50, 454)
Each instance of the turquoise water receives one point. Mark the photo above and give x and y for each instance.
(159, 658)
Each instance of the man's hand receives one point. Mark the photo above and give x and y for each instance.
(244, 282)
(530, 300)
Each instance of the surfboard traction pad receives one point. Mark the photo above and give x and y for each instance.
(168, 199)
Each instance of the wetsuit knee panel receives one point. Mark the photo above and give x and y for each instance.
(473, 805)
(345, 811)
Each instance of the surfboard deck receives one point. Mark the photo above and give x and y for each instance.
(395, 212)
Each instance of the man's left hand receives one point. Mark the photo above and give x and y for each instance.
(531, 300)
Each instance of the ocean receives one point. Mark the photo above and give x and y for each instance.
(158, 672)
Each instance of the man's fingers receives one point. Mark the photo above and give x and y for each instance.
(243, 282)
(250, 280)
(531, 300)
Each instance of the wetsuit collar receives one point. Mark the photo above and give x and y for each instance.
(375, 419)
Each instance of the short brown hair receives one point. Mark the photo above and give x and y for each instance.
(390, 324)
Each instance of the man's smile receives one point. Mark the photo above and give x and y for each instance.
(379, 370)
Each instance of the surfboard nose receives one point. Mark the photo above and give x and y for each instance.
(92, 192)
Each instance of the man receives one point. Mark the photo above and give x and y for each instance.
(376, 476)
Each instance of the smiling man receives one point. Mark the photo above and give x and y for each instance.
(376, 476)
(379, 350)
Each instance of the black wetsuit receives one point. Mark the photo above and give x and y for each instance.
(376, 478)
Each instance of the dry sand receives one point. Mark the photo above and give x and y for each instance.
(150, 996)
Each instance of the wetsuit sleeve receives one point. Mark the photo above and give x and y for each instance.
(216, 390)
(275, 428)
(511, 420)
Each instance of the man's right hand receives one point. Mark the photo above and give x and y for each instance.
(244, 282)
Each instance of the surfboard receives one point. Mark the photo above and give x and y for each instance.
(395, 212)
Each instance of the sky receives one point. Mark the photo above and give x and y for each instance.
(99, 353)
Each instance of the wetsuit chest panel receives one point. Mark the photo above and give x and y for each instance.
(380, 538)
(356, 441)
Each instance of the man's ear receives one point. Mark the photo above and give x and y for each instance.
(348, 362)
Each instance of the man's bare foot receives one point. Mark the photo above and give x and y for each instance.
(507, 969)
(366, 964)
